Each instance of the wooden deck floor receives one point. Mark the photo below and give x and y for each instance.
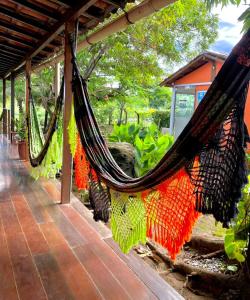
(53, 251)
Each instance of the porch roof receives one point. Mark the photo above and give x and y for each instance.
(34, 29)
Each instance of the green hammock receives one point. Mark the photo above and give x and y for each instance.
(38, 144)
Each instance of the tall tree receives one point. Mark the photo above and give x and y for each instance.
(137, 59)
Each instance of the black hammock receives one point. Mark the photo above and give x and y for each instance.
(37, 144)
(210, 150)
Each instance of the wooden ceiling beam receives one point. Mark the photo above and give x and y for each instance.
(7, 26)
(37, 9)
(92, 16)
(10, 37)
(15, 49)
(10, 53)
(5, 63)
(2, 71)
(2, 68)
(73, 12)
(5, 66)
(7, 60)
(115, 4)
(8, 57)
(67, 3)
(24, 20)
(15, 45)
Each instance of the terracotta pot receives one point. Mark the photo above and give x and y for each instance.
(22, 150)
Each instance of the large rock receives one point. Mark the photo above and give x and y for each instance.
(124, 155)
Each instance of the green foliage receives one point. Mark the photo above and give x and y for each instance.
(21, 127)
(105, 111)
(124, 133)
(42, 86)
(150, 144)
(150, 148)
(159, 97)
(161, 118)
(211, 3)
(236, 238)
(245, 17)
(137, 59)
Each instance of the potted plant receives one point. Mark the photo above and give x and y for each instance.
(21, 137)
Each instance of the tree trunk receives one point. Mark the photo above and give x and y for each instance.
(138, 117)
(110, 117)
(121, 114)
(126, 116)
(94, 60)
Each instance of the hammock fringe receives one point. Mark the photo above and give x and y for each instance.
(204, 171)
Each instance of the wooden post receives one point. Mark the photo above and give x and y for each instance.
(172, 112)
(4, 108)
(8, 123)
(12, 106)
(67, 157)
(57, 80)
(27, 96)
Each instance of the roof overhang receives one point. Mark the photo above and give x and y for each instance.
(194, 64)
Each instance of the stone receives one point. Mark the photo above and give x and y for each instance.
(124, 155)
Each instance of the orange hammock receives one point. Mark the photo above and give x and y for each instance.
(204, 171)
(169, 208)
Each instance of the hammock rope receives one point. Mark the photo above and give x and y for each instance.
(204, 170)
(38, 144)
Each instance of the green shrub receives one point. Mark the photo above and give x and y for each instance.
(124, 133)
(161, 118)
(21, 127)
(150, 144)
(237, 238)
(150, 150)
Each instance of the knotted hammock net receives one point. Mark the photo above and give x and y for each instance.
(203, 172)
(38, 144)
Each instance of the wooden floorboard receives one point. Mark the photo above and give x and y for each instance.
(7, 282)
(77, 277)
(38, 210)
(134, 287)
(53, 280)
(32, 232)
(151, 279)
(26, 276)
(53, 251)
(108, 285)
